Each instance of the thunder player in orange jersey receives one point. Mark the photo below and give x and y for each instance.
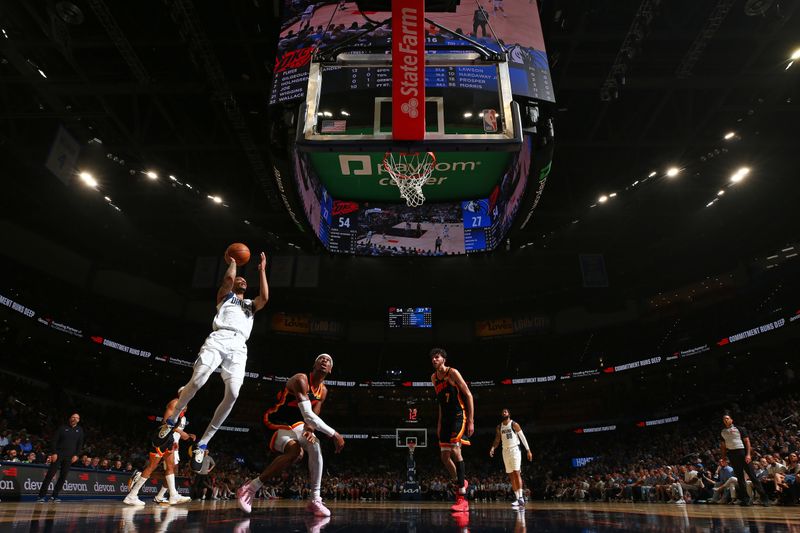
(294, 418)
(164, 444)
(456, 424)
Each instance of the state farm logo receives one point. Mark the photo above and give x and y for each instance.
(408, 50)
(411, 108)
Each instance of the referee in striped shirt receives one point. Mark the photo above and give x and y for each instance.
(736, 446)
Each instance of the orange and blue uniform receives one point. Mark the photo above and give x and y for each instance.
(454, 421)
(285, 414)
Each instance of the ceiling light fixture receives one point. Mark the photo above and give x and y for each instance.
(468, 115)
(730, 135)
(740, 174)
(88, 179)
(653, 173)
(720, 193)
(672, 172)
(603, 199)
(152, 175)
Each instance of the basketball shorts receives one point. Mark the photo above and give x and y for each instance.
(512, 458)
(225, 349)
(281, 437)
(453, 431)
(162, 440)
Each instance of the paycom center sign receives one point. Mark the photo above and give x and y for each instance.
(456, 175)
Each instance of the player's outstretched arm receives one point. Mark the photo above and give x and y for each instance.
(263, 288)
(227, 280)
(186, 436)
(298, 385)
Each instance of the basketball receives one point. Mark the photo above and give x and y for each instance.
(239, 253)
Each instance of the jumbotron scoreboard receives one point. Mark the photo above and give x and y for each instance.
(410, 317)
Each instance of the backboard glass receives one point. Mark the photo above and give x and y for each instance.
(404, 435)
(468, 105)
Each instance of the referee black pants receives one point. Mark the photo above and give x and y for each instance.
(64, 462)
(736, 457)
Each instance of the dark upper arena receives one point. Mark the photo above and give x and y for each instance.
(649, 283)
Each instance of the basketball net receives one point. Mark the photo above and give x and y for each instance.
(409, 172)
(411, 446)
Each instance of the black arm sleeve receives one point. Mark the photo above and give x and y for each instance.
(743, 433)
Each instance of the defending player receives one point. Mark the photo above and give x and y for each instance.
(163, 446)
(177, 436)
(294, 418)
(456, 424)
(511, 434)
(225, 347)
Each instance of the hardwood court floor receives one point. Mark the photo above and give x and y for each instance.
(414, 517)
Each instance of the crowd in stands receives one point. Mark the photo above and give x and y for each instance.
(676, 463)
(685, 466)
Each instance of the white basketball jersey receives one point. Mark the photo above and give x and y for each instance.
(235, 315)
(510, 439)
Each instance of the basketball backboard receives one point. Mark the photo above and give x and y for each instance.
(468, 105)
(419, 436)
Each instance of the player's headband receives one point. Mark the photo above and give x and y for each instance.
(324, 355)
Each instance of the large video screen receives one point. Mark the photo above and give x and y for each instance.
(433, 229)
(307, 23)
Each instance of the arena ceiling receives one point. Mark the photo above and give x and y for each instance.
(180, 88)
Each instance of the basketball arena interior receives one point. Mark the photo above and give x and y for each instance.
(400, 265)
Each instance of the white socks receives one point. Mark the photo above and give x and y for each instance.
(173, 492)
(138, 485)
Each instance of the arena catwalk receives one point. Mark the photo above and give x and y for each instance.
(392, 516)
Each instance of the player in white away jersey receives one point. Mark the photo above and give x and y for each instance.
(225, 347)
(512, 436)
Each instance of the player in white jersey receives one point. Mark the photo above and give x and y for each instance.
(512, 436)
(225, 347)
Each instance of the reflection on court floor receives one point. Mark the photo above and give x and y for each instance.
(287, 515)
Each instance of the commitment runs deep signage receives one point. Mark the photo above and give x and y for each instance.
(408, 69)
